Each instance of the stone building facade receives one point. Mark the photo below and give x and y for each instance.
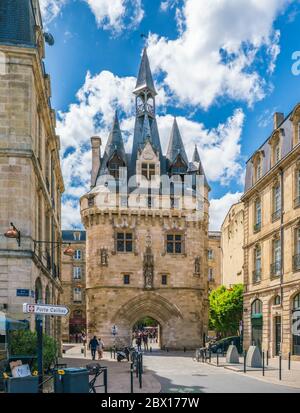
(214, 258)
(73, 284)
(146, 250)
(232, 241)
(272, 240)
(30, 174)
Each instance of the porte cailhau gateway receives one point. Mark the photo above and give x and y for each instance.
(150, 260)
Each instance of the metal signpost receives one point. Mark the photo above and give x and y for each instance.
(39, 310)
(114, 332)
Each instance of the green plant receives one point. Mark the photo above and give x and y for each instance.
(24, 342)
(226, 309)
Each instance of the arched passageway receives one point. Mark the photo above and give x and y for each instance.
(147, 330)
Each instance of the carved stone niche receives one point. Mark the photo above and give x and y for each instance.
(197, 267)
(103, 253)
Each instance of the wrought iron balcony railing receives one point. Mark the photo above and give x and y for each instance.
(296, 262)
(276, 269)
(257, 227)
(256, 276)
(276, 215)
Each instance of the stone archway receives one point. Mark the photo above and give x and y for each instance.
(148, 304)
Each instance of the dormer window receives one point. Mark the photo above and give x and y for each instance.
(114, 166)
(258, 170)
(179, 167)
(277, 153)
(148, 170)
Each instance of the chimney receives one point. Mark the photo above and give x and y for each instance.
(96, 155)
(278, 119)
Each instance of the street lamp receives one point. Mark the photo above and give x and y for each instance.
(13, 232)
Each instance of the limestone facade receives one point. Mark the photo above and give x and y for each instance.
(30, 180)
(272, 240)
(73, 284)
(232, 241)
(214, 257)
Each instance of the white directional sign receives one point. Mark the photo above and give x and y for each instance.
(46, 309)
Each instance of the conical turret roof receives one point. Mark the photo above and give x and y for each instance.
(145, 79)
(176, 146)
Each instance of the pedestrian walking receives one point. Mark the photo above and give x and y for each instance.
(139, 342)
(93, 346)
(145, 341)
(100, 349)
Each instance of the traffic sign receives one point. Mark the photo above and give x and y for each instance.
(45, 309)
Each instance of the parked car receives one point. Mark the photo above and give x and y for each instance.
(222, 345)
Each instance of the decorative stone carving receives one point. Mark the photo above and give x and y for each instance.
(197, 266)
(148, 265)
(103, 257)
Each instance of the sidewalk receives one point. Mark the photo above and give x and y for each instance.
(289, 378)
(118, 373)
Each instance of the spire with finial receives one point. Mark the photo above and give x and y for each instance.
(176, 147)
(145, 79)
(196, 156)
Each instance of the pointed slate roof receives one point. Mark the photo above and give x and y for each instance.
(145, 79)
(176, 145)
(114, 145)
(196, 156)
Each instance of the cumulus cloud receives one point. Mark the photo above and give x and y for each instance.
(50, 9)
(117, 15)
(93, 113)
(216, 52)
(220, 207)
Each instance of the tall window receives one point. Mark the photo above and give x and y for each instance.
(297, 250)
(276, 202)
(210, 274)
(257, 226)
(164, 279)
(148, 170)
(277, 153)
(297, 200)
(126, 279)
(296, 303)
(77, 273)
(276, 266)
(77, 255)
(256, 307)
(174, 244)
(210, 254)
(257, 264)
(124, 242)
(77, 295)
(258, 169)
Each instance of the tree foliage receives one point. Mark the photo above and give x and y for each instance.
(24, 342)
(226, 309)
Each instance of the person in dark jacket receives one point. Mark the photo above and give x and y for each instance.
(93, 345)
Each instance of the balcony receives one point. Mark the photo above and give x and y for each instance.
(276, 269)
(257, 227)
(296, 262)
(256, 276)
(276, 215)
(297, 202)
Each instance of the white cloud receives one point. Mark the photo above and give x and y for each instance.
(71, 215)
(215, 54)
(220, 207)
(50, 9)
(117, 15)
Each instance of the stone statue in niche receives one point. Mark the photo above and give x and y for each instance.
(148, 265)
(104, 257)
(197, 265)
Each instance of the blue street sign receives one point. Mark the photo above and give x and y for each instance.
(22, 293)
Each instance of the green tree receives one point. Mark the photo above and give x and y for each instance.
(24, 342)
(226, 309)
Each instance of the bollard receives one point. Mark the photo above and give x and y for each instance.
(150, 349)
(209, 356)
(111, 353)
(267, 357)
(217, 358)
(105, 380)
(140, 372)
(137, 363)
(289, 361)
(280, 366)
(245, 355)
(263, 363)
(131, 378)
(184, 349)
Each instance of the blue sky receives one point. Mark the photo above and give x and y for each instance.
(223, 67)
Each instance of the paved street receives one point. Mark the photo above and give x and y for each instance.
(178, 373)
